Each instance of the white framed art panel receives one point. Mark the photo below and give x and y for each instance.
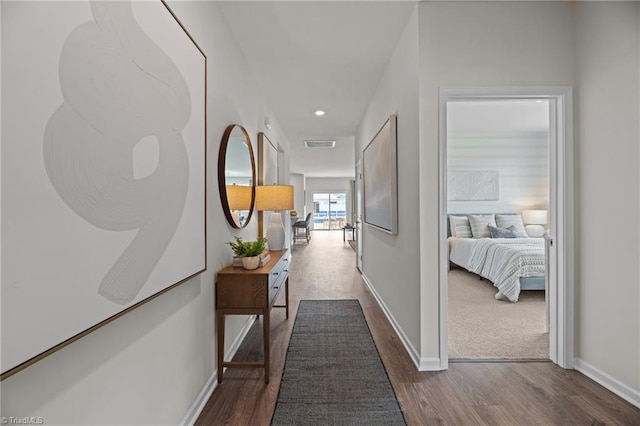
(380, 179)
(103, 166)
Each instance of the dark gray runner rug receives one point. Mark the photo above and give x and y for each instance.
(333, 374)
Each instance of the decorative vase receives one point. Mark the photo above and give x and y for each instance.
(251, 262)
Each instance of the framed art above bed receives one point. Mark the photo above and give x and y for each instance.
(473, 185)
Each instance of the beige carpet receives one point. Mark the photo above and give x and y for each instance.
(481, 327)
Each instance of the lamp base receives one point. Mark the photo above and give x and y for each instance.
(535, 231)
(275, 232)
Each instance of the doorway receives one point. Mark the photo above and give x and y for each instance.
(497, 169)
(559, 241)
(329, 210)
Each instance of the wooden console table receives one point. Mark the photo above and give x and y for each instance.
(243, 292)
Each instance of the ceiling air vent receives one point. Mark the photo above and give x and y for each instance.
(320, 144)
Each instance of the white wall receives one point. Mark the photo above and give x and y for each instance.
(476, 44)
(298, 182)
(510, 137)
(390, 262)
(608, 283)
(592, 47)
(148, 366)
(522, 166)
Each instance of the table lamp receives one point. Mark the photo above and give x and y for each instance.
(274, 198)
(239, 198)
(534, 219)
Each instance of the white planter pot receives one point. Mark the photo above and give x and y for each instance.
(251, 262)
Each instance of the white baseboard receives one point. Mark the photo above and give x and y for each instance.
(203, 396)
(614, 385)
(422, 364)
(198, 404)
(430, 364)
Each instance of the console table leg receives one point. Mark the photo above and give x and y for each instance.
(267, 348)
(286, 298)
(220, 344)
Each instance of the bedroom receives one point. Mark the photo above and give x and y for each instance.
(497, 175)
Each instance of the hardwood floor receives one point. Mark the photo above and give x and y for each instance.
(465, 394)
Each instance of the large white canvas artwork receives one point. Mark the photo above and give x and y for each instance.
(103, 165)
(380, 179)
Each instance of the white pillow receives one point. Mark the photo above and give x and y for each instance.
(480, 224)
(506, 220)
(460, 227)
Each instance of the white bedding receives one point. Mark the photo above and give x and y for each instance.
(501, 260)
(460, 250)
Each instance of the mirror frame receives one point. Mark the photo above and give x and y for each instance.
(222, 157)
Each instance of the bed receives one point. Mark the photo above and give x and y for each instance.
(512, 264)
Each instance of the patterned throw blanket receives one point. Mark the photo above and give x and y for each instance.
(504, 260)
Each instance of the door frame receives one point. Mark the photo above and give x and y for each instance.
(358, 214)
(560, 243)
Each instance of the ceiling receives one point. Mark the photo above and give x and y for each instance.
(309, 55)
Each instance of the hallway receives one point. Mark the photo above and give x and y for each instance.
(323, 269)
(466, 394)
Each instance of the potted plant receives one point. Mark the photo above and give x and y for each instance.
(248, 251)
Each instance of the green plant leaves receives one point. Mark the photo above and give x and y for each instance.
(248, 248)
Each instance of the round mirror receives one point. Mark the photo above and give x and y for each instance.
(236, 176)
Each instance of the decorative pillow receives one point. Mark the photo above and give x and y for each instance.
(480, 224)
(506, 220)
(459, 226)
(509, 232)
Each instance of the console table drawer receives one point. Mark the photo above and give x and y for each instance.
(281, 266)
(233, 292)
(276, 285)
(278, 275)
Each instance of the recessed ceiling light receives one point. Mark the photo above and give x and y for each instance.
(319, 113)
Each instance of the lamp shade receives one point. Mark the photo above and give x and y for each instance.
(274, 197)
(534, 217)
(239, 197)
